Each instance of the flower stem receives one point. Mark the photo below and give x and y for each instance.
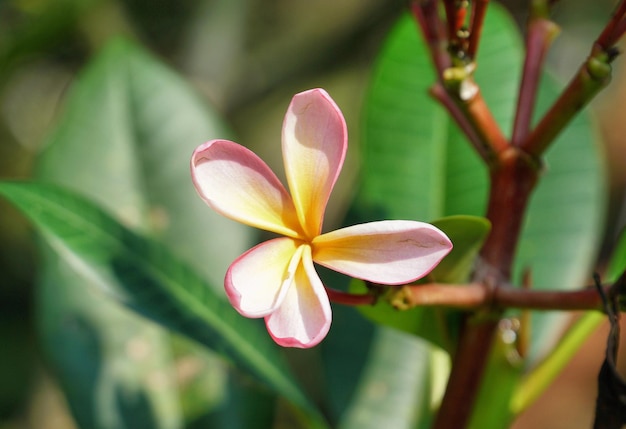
(347, 298)
(476, 296)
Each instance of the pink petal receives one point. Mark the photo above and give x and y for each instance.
(258, 280)
(388, 252)
(236, 183)
(303, 318)
(315, 140)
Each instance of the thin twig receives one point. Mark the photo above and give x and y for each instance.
(476, 296)
(347, 298)
(541, 32)
(427, 16)
(479, 9)
(438, 92)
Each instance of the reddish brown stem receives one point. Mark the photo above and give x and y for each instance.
(347, 298)
(484, 123)
(475, 120)
(427, 16)
(613, 29)
(512, 180)
(460, 396)
(585, 299)
(454, 17)
(592, 76)
(468, 296)
(474, 296)
(438, 92)
(541, 32)
(479, 9)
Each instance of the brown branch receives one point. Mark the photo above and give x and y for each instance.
(474, 296)
(541, 33)
(438, 92)
(467, 371)
(346, 298)
(479, 9)
(592, 76)
(614, 29)
(466, 296)
(427, 16)
(475, 120)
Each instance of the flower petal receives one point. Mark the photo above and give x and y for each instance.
(257, 281)
(236, 183)
(304, 316)
(388, 252)
(314, 141)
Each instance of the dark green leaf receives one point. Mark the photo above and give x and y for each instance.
(125, 139)
(617, 263)
(418, 165)
(145, 276)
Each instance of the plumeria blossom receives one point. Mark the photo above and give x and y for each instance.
(277, 279)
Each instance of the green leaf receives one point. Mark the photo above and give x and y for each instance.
(467, 234)
(617, 263)
(417, 165)
(83, 334)
(124, 140)
(401, 382)
(143, 275)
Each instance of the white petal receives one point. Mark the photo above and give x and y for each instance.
(258, 280)
(388, 252)
(315, 141)
(304, 316)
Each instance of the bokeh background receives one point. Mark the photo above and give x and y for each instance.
(247, 57)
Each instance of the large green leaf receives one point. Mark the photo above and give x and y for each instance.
(399, 385)
(83, 335)
(124, 140)
(418, 165)
(143, 275)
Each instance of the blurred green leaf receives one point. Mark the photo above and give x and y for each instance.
(397, 388)
(125, 140)
(143, 275)
(113, 370)
(617, 263)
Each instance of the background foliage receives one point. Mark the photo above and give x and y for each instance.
(116, 121)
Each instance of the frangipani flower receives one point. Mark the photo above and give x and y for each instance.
(277, 279)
